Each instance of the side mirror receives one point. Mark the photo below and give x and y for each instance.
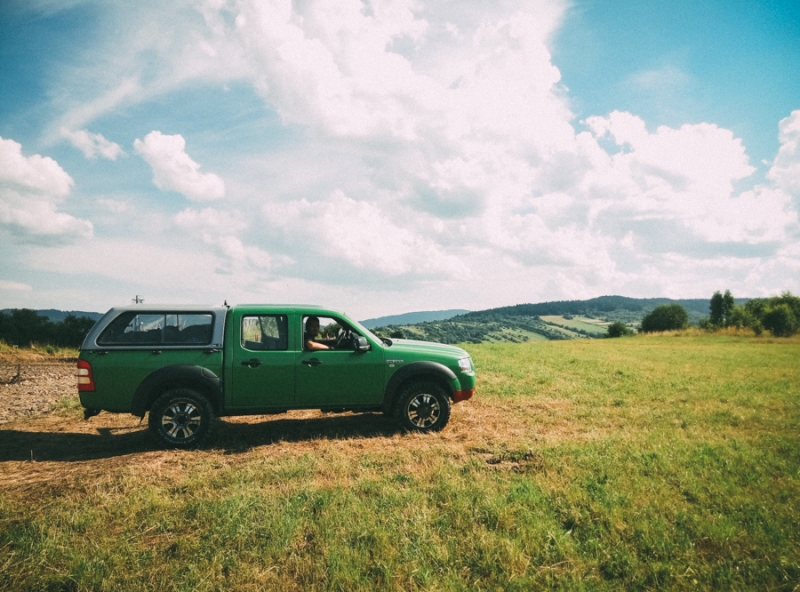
(361, 344)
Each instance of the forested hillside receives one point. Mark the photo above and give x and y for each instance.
(571, 319)
(610, 308)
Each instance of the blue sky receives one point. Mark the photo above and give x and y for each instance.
(396, 155)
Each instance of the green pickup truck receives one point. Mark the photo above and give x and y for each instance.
(186, 365)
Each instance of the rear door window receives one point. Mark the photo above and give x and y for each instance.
(265, 332)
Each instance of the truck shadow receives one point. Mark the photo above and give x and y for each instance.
(228, 438)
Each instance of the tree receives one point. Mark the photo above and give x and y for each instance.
(665, 317)
(23, 327)
(779, 314)
(721, 308)
(780, 320)
(618, 329)
(71, 331)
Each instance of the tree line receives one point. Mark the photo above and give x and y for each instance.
(780, 315)
(23, 327)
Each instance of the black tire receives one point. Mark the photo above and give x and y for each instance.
(423, 406)
(181, 418)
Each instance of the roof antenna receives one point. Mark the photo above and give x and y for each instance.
(226, 304)
(138, 299)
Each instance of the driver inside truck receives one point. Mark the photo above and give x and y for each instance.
(310, 335)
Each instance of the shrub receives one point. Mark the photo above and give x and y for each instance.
(779, 314)
(780, 320)
(665, 317)
(618, 329)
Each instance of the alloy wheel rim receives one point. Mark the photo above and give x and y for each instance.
(424, 410)
(181, 420)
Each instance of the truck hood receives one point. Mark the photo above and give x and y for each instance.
(400, 346)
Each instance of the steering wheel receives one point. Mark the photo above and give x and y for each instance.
(343, 337)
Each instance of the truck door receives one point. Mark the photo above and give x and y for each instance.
(262, 368)
(337, 377)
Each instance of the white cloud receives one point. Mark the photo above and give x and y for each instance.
(174, 170)
(219, 229)
(34, 173)
(666, 79)
(92, 145)
(431, 147)
(210, 219)
(30, 190)
(360, 235)
(687, 176)
(15, 286)
(113, 206)
(785, 171)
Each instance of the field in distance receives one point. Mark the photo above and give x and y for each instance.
(655, 462)
(595, 327)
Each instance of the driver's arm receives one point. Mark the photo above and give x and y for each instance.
(313, 345)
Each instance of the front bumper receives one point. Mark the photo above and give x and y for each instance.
(463, 395)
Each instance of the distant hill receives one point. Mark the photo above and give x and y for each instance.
(612, 307)
(569, 319)
(59, 315)
(411, 318)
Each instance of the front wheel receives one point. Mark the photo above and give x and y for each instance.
(181, 418)
(423, 407)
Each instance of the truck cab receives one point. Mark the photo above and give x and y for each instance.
(186, 365)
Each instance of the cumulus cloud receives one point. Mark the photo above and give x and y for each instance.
(359, 234)
(219, 229)
(685, 176)
(445, 147)
(31, 188)
(785, 170)
(92, 145)
(34, 173)
(174, 170)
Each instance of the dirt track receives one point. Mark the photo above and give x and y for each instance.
(45, 442)
(31, 389)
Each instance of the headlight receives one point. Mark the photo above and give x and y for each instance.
(465, 364)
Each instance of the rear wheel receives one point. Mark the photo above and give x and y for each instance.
(181, 418)
(423, 406)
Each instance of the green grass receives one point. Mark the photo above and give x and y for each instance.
(591, 326)
(644, 463)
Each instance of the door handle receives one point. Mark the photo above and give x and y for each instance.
(156, 352)
(312, 362)
(252, 363)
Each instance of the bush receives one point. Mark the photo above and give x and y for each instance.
(618, 329)
(780, 320)
(665, 317)
(779, 314)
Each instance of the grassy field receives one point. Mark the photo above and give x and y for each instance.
(665, 462)
(593, 326)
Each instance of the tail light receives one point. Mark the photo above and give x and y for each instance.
(85, 378)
